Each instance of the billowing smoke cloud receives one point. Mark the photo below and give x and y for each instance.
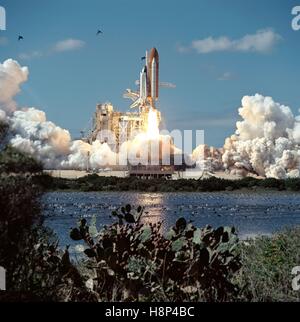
(33, 134)
(12, 75)
(84, 155)
(208, 158)
(266, 141)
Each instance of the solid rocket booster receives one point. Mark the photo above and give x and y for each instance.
(143, 85)
(154, 93)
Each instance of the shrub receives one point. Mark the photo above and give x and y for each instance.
(135, 261)
(267, 265)
(293, 184)
(14, 161)
(3, 131)
(42, 272)
(19, 209)
(36, 269)
(273, 183)
(247, 182)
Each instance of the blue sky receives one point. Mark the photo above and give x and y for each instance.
(67, 78)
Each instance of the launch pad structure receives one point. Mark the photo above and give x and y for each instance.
(124, 125)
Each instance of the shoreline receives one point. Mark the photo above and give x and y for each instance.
(233, 192)
(178, 175)
(96, 183)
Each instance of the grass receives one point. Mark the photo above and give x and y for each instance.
(267, 263)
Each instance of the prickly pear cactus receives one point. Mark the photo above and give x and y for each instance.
(136, 261)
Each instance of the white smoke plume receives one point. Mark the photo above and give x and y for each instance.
(266, 141)
(208, 158)
(84, 155)
(12, 75)
(33, 134)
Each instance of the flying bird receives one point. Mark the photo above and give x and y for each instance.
(20, 38)
(143, 58)
(99, 32)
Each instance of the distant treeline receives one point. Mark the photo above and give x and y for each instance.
(96, 183)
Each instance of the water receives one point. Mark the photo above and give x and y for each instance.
(251, 213)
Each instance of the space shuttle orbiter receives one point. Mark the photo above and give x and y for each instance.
(148, 82)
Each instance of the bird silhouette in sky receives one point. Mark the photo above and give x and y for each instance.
(20, 38)
(99, 32)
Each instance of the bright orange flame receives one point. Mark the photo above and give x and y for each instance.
(152, 129)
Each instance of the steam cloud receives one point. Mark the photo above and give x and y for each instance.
(266, 141)
(12, 75)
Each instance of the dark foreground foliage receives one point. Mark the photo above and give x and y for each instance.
(36, 269)
(94, 182)
(19, 209)
(132, 261)
(14, 161)
(3, 131)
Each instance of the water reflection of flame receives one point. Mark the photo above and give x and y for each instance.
(153, 211)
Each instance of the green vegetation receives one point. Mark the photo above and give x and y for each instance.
(14, 161)
(19, 209)
(97, 183)
(3, 130)
(36, 269)
(267, 263)
(132, 261)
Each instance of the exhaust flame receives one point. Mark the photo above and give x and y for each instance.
(152, 128)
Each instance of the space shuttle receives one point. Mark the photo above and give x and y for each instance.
(148, 82)
(153, 76)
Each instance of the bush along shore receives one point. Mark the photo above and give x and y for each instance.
(94, 182)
